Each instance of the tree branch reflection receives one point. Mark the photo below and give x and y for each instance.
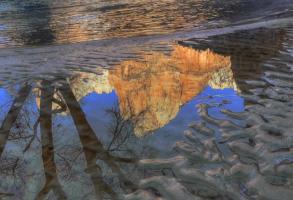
(52, 181)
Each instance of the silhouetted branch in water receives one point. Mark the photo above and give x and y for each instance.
(35, 129)
(12, 115)
(68, 158)
(121, 129)
(92, 147)
(19, 129)
(9, 165)
(12, 169)
(52, 182)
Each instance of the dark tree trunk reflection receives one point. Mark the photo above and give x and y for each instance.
(12, 115)
(92, 148)
(52, 182)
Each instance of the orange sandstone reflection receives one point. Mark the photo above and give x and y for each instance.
(152, 90)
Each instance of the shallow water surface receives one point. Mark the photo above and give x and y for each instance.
(37, 22)
(146, 100)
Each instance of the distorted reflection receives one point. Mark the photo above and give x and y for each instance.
(151, 91)
(50, 143)
(146, 100)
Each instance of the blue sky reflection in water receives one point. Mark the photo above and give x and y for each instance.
(164, 138)
(171, 84)
(123, 99)
(161, 140)
(5, 102)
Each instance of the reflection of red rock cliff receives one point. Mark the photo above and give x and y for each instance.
(153, 90)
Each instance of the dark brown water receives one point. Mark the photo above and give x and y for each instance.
(146, 100)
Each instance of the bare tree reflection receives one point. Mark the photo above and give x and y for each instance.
(12, 115)
(13, 163)
(121, 128)
(92, 148)
(47, 144)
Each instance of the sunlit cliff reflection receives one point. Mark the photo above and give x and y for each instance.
(57, 141)
(152, 90)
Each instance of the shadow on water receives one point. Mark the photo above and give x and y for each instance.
(36, 19)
